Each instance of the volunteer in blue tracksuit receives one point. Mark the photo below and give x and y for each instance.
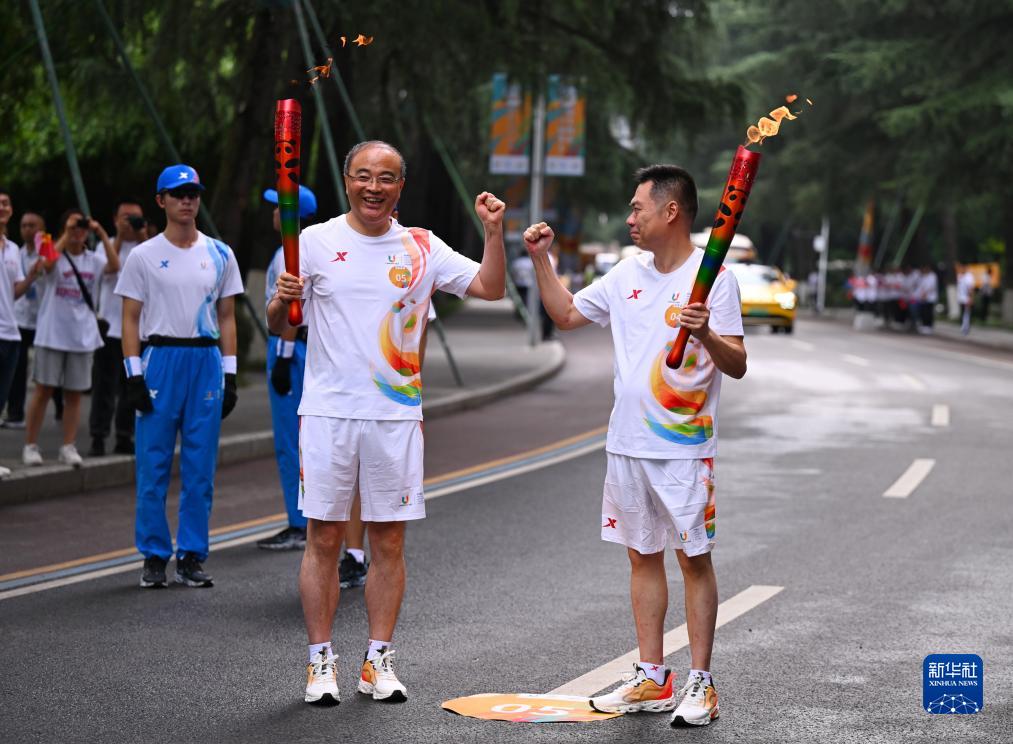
(185, 282)
(286, 361)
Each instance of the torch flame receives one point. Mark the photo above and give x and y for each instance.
(769, 125)
(362, 40)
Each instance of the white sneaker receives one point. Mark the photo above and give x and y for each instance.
(4, 472)
(31, 455)
(638, 692)
(378, 679)
(68, 456)
(322, 680)
(13, 424)
(699, 704)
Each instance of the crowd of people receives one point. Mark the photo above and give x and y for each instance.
(907, 297)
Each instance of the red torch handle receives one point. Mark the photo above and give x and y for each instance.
(726, 222)
(287, 146)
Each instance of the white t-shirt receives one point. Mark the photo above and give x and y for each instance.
(928, 287)
(110, 304)
(366, 304)
(65, 321)
(965, 288)
(10, 272)
(661, 413)
(180, 286)
(26, 307)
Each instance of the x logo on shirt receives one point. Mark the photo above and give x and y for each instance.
(165, 264)
(635, 295)
(611, 522)
(340, 257)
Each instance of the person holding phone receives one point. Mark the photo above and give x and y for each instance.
(67, 333)
(108, 379)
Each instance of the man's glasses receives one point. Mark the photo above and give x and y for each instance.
(183, 193)
(365, 180)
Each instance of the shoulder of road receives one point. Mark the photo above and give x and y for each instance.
(982, 337)
(488, 345)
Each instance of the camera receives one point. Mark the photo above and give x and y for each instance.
(81, 222)
(136, 222)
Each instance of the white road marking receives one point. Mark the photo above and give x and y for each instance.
(856, 360)
(913, 382)
(911, 479)
(608, 674)
(940, 414)
(803, 345)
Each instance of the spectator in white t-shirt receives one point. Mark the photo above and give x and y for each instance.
(108, 378)
(965, 297)
(928, 296)
(67, 333)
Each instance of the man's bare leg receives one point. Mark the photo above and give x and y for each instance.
(355, 533)
(701, 606)
(318, 578)
(649, 594)
(385, 581)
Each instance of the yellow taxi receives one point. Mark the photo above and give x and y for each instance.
(768, 296)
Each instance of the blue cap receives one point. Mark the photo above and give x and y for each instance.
(178, 175)
(307, 200)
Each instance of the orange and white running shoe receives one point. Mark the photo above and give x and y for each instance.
(378, 679)
(322, 680)
(699, 704)
(637, 693)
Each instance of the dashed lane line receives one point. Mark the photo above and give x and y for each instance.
(913, 382)
(911, 479)
(611, 672)
(940, 414)
(856, 360)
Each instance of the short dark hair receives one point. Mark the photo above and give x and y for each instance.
(373, 143)
(127, 200)
(671, 183)
(66, 216)
(5, 192)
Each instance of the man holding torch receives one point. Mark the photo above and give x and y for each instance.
(366, 282)
(659, 489)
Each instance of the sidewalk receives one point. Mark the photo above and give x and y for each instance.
(488, 344)
(996, 339)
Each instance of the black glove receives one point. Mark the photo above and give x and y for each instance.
(281, 375)
(231, 396)
(138, 395)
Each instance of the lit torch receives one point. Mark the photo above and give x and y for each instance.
(726, 221)
(287, 138)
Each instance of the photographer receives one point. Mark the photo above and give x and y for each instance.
(67, 331)
(108, 378)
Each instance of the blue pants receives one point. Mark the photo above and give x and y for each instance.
(186, 384)
(285, 422)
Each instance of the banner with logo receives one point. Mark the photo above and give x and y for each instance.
(863, 259)
(565, 129)
(527, 708)
(510, 136)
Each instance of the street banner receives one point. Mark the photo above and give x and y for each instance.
(863, 259)
(524, 708)
(510, 136)
(565, 129)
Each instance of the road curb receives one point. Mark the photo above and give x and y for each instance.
(52, 481)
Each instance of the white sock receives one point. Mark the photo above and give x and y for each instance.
(706, 675)
(653, 671)
(316, 648)
(376, 648)
(357, 554)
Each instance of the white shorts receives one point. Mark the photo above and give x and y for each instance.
(647, 503)
(382, 458)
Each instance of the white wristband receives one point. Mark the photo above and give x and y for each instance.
(286, 349)
(133, 366)
(229, 364)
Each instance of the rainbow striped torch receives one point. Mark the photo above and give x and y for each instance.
(287, 139)
(726, 222)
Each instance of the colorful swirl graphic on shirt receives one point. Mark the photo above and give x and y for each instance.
(400, 334)
(678, 396)
(207, 316)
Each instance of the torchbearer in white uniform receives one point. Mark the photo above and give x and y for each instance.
(366, 282)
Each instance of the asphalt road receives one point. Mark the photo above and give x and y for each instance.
(510, 589)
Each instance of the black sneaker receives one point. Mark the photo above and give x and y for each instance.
(98, 447)
(290, 538)
(190, 572)
(124, 447)
(154, 573)
(351, 573)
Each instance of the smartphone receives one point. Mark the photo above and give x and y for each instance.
(81, 222)
(136, 222)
